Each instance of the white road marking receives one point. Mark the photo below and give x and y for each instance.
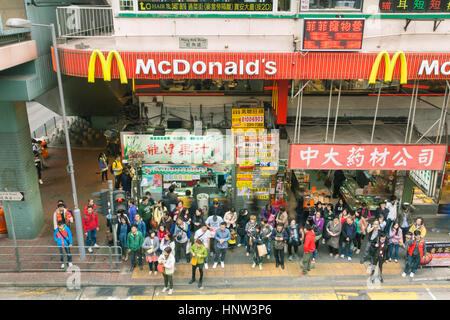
(429, 292)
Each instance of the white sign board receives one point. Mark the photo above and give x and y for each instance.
(12, 196)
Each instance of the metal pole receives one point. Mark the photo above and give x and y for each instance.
(70, 168)
(442, 114)
(411, 129)
(13, 232)
(112, 213)
(444, 122)
(376, 114)
(409, 114)
(337, 110)
(329, 111)
(300, 115)
(296, 117)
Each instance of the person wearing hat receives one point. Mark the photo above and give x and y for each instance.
(378, 255)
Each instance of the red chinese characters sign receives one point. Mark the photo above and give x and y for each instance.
(366, 157)
(333, 34)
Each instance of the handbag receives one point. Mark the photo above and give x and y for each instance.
(154, 224)
(160, 268)
(262, 249)
(194, 261)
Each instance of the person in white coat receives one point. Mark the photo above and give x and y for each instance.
(168, 261)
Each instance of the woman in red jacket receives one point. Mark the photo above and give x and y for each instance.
(309, 247)
(90, 227)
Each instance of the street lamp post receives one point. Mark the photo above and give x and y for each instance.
(22, 23)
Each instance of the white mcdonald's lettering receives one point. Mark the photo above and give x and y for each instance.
(181, 67)
(433, 67)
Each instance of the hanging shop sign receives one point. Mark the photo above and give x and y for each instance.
(154, 5)
(333, 34)
(246, 118)
(414, 6)
(245, 65)
(366, 157)
(152, 169)
(422, 178)
(173, 149)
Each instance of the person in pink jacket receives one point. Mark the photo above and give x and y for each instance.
(395, 240)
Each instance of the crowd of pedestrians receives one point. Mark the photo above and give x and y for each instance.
(166, 237)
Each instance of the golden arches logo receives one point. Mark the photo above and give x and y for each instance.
(389, 65)
(106, 66)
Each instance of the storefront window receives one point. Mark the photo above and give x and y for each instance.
(206, 5)
(284, 5)
(332, 5)
(212, 86)
(355, 87)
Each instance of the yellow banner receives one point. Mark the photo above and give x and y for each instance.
(246, 118)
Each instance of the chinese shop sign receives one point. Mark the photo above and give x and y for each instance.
(152, 5)
(366, 157)
(173, 149)
(257, 149)
(333, 34)
(245, 118)
(414, 5)
(440, 252)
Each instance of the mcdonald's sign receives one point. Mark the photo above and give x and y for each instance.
(106, 66)
(389, 65)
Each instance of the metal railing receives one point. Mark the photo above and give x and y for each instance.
(48, 129)
(8, 39)
(47, 258)
(84, 22)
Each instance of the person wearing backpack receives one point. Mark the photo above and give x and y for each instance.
(280, 238)
(90, 227)
(182, 234)
(116, 170)
(103, 166)
(63, 239)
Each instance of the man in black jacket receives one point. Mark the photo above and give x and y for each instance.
(378, 254)
(347, 235)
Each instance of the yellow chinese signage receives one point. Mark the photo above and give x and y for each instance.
(244, 180)
(247, 118)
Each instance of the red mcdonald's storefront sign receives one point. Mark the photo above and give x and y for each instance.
(367, 157)
(249, 65)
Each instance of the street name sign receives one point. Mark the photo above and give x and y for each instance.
(12, 196)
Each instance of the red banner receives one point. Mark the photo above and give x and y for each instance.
(366, 157)
(249, 65)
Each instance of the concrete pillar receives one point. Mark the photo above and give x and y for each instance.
(17, 170)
